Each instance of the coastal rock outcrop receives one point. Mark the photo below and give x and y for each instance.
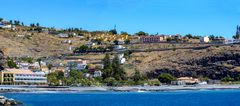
(8, 102)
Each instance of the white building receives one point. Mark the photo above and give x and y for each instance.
(91, 44)
(7, 26)
(70, 48)
(62, 35)
(97, 74)
(121, 58)
(86, 75)
(232, 41)
(204, 39)
(67, 41)
(76, 64)
(37, 65)
(23, 65)
(121, 42)
(119, 48)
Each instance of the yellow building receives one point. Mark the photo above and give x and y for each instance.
(110, 37)
(20, 76)
(6, 78)
(188, 80)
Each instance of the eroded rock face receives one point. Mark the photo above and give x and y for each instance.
(213, 67)
(1, 60)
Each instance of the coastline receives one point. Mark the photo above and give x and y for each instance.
(9, 89)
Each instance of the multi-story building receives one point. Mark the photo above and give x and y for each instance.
(110, 37)
(21, 76)
(7, 78)
(152, 39)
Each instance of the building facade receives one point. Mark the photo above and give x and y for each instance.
(204, 39)
(76, 64)
(22, 77)
(152, 39)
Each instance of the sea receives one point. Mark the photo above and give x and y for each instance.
(167, 98)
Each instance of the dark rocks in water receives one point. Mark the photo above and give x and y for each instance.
(8, 102)
(212, 67)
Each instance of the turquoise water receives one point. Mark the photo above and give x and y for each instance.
(175, 98)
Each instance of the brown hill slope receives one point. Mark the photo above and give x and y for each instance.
(34, 45)
(214, 62)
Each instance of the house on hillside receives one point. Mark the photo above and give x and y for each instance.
(76, 65)
(91, 44)
(7, 26)
(177, 36)
(62, 35)
(152, 39)
(119, 48)
(204, 39)
(135, 39)
(121, 58)
(97, 74)
(21, 65)
(1, 24)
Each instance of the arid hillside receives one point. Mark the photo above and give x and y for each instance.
(214, 62)
(34, 44)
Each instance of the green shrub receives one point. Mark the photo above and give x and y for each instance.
(166, 78)
(227, 79)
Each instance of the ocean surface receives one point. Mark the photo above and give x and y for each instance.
(173, 98)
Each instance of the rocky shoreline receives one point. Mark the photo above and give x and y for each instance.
(9, 102)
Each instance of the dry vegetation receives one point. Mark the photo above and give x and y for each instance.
(150, 61)
(44, 45)
(34, 45)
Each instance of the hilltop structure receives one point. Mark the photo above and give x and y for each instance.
(238, 30)
(204, 39)
(238, 33)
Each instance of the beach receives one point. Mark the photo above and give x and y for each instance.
(227, 97)
(5, 88)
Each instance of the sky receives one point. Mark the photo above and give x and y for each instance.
(198, 17)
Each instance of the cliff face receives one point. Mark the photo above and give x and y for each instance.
(215, 62)
(1, 60)
(213, 67)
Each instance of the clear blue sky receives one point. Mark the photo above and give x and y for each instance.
(200, 17)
